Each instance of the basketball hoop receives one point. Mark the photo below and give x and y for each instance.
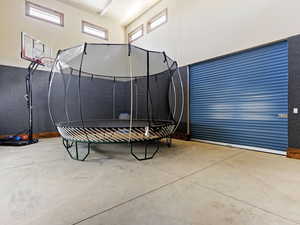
(36, 51)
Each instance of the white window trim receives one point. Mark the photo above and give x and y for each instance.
(84, 23)
(153, 19)
(29, 5)
(139, 28)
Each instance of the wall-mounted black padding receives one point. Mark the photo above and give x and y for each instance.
(294, 91)
(13, 110)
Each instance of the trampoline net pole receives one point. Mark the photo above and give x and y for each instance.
(50, 82)
(131, 93)
(79, 91)
(114, 99)
(182, 98)
(171, 115)
(65, 85)
(136, 99)
(147, 89)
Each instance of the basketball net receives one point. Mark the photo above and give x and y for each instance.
(46, 62)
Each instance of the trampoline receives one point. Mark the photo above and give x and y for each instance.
(114, 93)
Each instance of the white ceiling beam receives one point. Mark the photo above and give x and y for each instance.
(105, 8)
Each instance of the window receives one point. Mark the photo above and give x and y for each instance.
(43, 13)
(158, 20)
(136, 34)
(94, 30)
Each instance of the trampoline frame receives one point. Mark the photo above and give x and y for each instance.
(115, 135)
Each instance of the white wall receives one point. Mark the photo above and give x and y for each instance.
(13, 21)
(203, 29)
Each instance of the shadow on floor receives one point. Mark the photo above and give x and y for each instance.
(122, 151)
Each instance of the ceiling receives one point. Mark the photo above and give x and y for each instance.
(123, 11)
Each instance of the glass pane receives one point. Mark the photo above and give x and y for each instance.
(94, 31)
(136, 35)
(44, 15)
(158, 21)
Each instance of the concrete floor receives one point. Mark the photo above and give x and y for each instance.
(190, 183)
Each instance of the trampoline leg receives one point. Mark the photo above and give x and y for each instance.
(76, 146)
(146, 157)
(87, 154)
(68, 146)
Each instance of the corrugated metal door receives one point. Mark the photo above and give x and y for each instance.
(242, 99)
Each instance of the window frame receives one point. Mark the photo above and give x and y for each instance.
(29, 4)
(140, 27)
(154, 18)
(83, 23)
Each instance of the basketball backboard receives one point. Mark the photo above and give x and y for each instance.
(33, 49)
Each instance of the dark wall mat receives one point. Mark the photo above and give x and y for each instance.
(13, 110)
(96, 98)
(294, 91)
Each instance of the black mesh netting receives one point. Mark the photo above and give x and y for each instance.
(114, 93)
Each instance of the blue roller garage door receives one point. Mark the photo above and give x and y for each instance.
(242, 99)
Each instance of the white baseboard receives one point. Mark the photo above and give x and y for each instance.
(243, 147)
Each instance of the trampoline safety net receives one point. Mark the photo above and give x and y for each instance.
(114, 93)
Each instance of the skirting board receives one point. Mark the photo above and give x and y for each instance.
(243, 147)
(40, 135)
(47, 135)
(293, 153)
